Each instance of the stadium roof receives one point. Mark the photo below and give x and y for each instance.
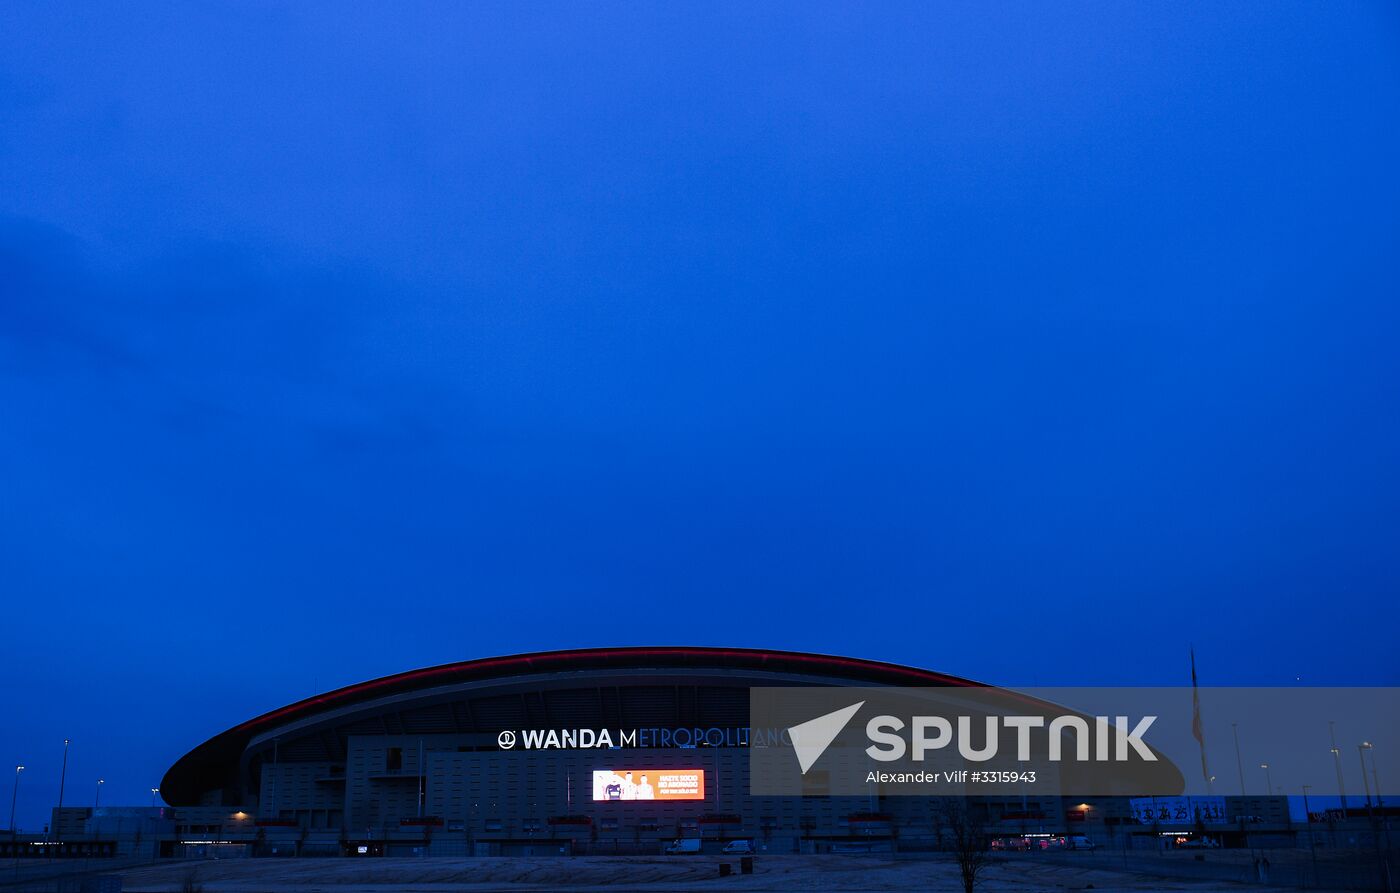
(214, 764)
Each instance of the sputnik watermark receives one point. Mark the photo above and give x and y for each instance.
(975, 740)
(1110, 738)
(889, 746)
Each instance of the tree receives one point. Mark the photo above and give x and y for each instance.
(967, 826)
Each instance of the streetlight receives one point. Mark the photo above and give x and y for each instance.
(1380, 804)
(1361, 755)
(97, 798)
(154, 792)
(53, 832)
(63, 774)
(1268, 780)
(1337, 759)
(13, 798)
(1239, 763)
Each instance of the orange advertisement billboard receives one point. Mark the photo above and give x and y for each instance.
(648, 784)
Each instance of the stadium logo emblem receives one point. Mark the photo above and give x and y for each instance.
(506, 740)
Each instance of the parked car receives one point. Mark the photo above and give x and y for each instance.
(1078, 842)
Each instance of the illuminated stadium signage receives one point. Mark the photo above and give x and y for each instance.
(575, 739)
(1178, 810)
(648, 784)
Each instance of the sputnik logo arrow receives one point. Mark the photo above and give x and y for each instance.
(811, 738)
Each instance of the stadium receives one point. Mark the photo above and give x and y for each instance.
(503, 756)
(595, 751)
(426, 758)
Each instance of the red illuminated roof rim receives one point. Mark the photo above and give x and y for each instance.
(352, 693)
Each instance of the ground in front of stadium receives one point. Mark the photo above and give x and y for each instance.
(675, 874)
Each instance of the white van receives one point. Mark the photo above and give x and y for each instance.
(684, 846)
(1078, 842)
(739, 848)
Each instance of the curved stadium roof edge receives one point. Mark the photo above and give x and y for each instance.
(182, 783)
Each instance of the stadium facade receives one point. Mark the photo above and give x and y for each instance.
(598, 750)
(428, 755)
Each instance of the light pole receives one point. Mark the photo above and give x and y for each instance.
(1337, 758)
(1268, 780)
(1370, 815)
(1239, 763)
(97, 797)
(154, 791)
(1380, 804)
(1375, 776)
(13, 797)
(62, 779)
(1361, 755)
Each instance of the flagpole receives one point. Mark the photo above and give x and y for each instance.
(1198, 729)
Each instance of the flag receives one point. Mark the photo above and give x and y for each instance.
(1197, 728)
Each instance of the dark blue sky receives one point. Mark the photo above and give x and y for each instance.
(1029, 343)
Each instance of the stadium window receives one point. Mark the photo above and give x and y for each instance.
(393, 759)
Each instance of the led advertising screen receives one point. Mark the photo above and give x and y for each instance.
(649, 784)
